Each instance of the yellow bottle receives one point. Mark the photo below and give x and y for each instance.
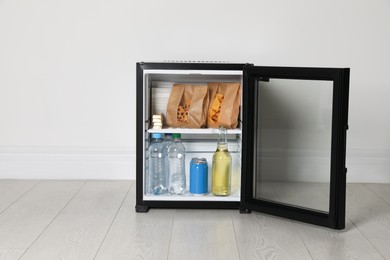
(222, 166)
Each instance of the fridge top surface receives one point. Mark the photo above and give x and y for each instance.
(222, 65)
(190, 65)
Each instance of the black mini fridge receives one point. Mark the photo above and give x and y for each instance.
(288, 150)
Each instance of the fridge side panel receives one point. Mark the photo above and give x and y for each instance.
(140, 143)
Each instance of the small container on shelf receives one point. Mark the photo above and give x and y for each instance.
(198, 176)
(158, 121)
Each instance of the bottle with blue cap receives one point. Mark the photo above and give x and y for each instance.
(157, 179)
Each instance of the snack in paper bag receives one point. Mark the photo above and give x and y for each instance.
(224, 107)
(182, 112)
(187, 106)
(215, 110)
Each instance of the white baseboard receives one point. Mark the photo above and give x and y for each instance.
(67, 162)
(368, 165)
(118, 163)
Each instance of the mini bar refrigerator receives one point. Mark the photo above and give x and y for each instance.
(288, 150)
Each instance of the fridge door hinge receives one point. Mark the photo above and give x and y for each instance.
(264, 79)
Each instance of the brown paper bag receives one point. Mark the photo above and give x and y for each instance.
(187, 106)
(224, 104)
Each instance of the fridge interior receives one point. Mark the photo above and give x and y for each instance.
(200, 142)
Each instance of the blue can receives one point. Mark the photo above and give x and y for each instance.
(198, 176)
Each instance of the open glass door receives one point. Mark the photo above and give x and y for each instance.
(294, 141)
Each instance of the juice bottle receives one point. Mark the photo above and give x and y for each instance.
(222, 165)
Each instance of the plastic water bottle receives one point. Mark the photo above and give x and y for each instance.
(167, 140)
(166, 143)
(176, 158)
(157, 180)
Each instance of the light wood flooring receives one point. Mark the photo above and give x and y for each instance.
(96, 220)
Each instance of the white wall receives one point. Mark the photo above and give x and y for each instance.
(67, 72)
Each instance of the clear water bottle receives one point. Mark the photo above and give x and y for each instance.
(166, 143)
(167, 140)
(157, 179)
(177, 174)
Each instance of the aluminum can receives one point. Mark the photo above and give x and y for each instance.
(198, 176)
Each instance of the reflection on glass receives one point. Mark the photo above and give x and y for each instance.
(293, 142)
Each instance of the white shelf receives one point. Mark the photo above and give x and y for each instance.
(193, 131)
(235, 196)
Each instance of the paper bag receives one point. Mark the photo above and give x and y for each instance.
(224, 106)
(187, 106)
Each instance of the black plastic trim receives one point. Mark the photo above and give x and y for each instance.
(294, 213)
(139, 136)
(193, 204)
(144, 205)
(190, 66)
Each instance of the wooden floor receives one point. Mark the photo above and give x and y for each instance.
(96, 220)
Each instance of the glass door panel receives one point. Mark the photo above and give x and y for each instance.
(294, 143)
(293, 127)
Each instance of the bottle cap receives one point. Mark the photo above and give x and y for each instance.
(175, 136)
(157, 135)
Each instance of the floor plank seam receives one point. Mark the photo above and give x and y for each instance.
(303, 241)
(13, 248)
(43, 231)
(376, 194)
(235, 235)
(366, 238)
(113, 219)
(20, 197)
(170, 235)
